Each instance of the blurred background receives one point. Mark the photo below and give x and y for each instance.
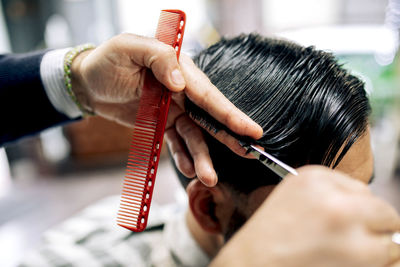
(46, 179)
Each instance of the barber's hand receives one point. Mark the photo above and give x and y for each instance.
(184, 137)
(320, 218)
(109, 79)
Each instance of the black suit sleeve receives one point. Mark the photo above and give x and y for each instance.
(24, 106)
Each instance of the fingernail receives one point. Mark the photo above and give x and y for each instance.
(177, 77)
(213, 179)
(257, 129)
(209, 182)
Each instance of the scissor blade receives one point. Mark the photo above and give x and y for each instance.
(271, 162)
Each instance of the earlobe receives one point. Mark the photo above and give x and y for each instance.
(204, 203)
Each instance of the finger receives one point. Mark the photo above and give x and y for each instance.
(203, 93)
(377, 250)
(174, 112)
(182, 159)
(380, 216)
(376, 214)
(159, 57)
(391, 250)
(334, 178)
(179, 99)
(230, 142)
(198, 149)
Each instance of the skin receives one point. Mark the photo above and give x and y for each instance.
(359, 161)
(108, 80)
(332, 221)
(211, 233)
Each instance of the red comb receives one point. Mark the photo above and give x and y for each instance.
(148, 133)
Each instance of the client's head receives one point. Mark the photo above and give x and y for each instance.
(312, 111)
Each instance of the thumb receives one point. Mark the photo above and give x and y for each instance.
(153, 54)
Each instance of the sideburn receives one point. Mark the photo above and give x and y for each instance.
(236, 221)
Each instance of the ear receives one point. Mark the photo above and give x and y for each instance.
(211, 206)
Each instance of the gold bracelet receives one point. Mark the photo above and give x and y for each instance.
(69, 57)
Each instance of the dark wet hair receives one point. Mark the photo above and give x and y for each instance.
(309, 106)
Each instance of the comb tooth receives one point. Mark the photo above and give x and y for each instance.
(137, 165)
(144, 128)
(127, 224)
(130, 190)
(140, 153)
(129, 215)
(131, 198)
(136, 178)
(144, 142)
(140, 156)
(140, 147)
(139, 159)
(129, 208)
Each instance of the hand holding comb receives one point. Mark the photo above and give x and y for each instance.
(148, 133)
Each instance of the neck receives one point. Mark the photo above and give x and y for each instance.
(210, 243)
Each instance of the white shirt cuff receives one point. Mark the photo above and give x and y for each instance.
(52, 75)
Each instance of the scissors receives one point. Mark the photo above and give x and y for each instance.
(274, 164)
(282, 169)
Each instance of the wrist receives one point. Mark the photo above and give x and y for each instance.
(79, 88)
(74, 80)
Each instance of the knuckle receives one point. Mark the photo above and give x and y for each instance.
(169, 135)
(173, 141)
(305, 180)
(123, 37)
(153, 50)
(161, 58)
(229, 118)
(185, 129)
(151, 58)
(204, 100)
(196, 155)
(313, 172)
(163, 51)
(338, 213)
(169, 51)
